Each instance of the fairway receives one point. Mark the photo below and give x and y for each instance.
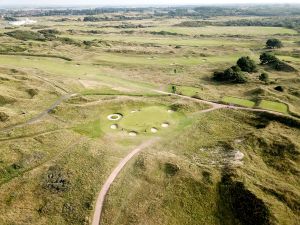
(238, 101)
(274, 106)
(161, 40)
(213, 30)
(185, 90)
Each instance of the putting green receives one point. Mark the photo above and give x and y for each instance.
(144, 119)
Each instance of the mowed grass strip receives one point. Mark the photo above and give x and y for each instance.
(238, 101)
(274, 106)
(185, 90)
(162, 40)
(228, 30)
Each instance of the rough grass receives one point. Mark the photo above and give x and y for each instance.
(91, 129)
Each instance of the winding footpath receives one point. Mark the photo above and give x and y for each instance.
(40, 115)
(112, 177)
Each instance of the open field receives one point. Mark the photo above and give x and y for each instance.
(80, 92)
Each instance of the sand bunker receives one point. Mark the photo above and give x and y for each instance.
(114, 126)
(165, 125)
(154, 130)
(170, 111)
(114, 117)
(132, 133)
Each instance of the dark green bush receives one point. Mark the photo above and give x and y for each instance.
(246, 64)
(274, 43)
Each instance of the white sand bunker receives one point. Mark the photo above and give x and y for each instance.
(154, 130)
(238, 159)
(114, 126)
(114, 117)
(165, 125)
(132, 133)
(170, 111)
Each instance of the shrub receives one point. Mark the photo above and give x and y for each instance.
(56, 179)
(274, 43)
(246, 64)
(266, 58)
(271, 60)
(232, 74)
(3, 117)
(264, 77)
(32, 92)
(25, 35)
(171, 169)
(279, 88)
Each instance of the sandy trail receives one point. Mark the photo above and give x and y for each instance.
(112, 177)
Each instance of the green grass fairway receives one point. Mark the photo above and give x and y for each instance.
(229, 30)
(239, 101)
(185, 90)
(146, 118)
(161, 40)
(163, 60)
(274, 106)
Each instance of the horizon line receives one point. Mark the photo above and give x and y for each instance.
(14, 5)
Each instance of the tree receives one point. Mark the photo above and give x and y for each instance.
(267, 58)
(274, 43)
(264, 77)
(271, 60)
(246, 64)
(232, 74)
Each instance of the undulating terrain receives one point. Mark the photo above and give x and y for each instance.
(79, 90)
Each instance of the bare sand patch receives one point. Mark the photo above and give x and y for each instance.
(154, 130)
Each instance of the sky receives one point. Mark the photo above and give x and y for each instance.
(138, 2)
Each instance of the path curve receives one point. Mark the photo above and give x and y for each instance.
(40, 115)
(218, 105)
(112, 177)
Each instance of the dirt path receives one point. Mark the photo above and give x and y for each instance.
(41, 115)
(218, 105)
(112, 177)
